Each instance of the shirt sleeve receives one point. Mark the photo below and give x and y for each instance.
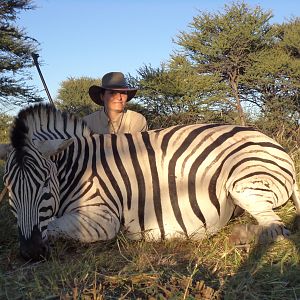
(138, 123)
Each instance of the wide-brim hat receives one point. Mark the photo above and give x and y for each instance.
(111, 81)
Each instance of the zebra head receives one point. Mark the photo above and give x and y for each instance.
(31, 178)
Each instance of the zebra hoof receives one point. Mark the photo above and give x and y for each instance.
(246, 233)
(243, 234)
(272, 233)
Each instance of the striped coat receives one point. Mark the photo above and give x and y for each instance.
(181, 181)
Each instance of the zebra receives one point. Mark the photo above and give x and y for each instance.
(185, 181)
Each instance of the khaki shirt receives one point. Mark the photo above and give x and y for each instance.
(128, 122)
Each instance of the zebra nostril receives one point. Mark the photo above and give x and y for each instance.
(36, 254)
(34, 248)
(26, 256)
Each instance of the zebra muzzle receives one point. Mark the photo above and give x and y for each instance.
(34, 248)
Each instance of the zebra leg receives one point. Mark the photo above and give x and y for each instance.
(85, 226)
(259, 201)
(243, 234)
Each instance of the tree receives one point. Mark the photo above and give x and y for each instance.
(175, 93)
(227, 44)
(15, 56)
(232, 67)
(5, 123)
(291, 44)
(73, 96)
(273, 81)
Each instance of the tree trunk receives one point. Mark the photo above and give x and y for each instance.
(234, 86)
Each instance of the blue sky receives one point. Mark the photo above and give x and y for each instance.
(93, 37)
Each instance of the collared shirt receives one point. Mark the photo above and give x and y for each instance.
(129, 121)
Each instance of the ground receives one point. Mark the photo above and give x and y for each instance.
(178, 269)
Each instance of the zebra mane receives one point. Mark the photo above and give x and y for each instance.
(45, 122)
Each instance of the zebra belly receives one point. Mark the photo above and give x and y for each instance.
(170, 227)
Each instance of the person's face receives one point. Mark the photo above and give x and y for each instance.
(114, 100)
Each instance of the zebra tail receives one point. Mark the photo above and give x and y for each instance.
(296, 201)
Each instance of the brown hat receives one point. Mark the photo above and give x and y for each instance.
(111, 81)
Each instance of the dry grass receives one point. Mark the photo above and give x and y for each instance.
(177, 269)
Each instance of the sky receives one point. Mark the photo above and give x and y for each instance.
(93, 37)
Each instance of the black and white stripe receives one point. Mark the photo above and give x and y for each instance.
(178, 181)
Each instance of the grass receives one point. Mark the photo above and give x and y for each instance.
(177, 269)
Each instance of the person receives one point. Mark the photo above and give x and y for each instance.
(113, 117)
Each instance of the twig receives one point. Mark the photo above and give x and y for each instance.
(190, 281)
(118, 244)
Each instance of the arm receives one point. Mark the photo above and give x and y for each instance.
(138, 123)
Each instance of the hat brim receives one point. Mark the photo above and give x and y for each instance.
(95, 91)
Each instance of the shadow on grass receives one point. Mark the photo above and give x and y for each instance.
(271, 271)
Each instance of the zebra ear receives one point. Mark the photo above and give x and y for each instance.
(4, 150)
(52, 147)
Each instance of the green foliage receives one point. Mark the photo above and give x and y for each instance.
(5, 123)
(15, 52)
(290, 37)
(274, 77)
(223, 42)
(233, 67)
(176, 94)
(227, 43)
(73, 96)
